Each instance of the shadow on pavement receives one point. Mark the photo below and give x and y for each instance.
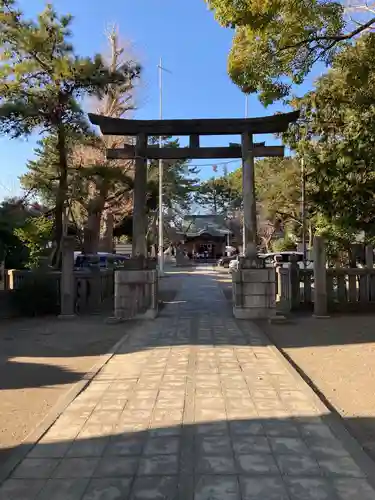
(107, 455)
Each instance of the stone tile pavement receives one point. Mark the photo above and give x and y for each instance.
(191, 408)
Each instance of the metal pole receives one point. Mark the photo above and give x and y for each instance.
(303, 210)
(161, 223)
(243, 224)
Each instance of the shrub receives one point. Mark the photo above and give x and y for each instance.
(283, 245)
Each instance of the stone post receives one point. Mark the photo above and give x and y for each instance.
(370, 284)
(369, 256)
(139, 198)
(67, 292)
(294, 283)
(320, 278)
(249, 200)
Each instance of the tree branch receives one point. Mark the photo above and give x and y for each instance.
(333, 38)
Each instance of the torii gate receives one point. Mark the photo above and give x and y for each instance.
(142, 151)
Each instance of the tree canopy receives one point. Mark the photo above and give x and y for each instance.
(218, 195)
(336, 136)
(43, 81)
(277, 42)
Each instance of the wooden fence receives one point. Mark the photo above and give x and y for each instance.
(325, 289)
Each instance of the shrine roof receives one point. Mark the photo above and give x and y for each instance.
(197, 225)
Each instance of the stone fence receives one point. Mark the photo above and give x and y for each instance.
(92, 291)
(325, 289)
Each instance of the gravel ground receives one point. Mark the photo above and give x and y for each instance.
(337, 357)
(40, 360)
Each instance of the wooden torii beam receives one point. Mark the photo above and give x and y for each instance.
(156, 153)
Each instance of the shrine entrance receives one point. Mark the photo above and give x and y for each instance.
(248, 150)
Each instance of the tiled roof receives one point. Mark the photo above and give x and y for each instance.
(196, 225)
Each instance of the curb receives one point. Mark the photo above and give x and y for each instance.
(20, 452)
(331, 418)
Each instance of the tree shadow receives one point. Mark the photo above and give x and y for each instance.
(22, 375)
(253, 458)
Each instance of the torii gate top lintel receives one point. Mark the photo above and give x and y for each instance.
(194, 129)
(217, 126)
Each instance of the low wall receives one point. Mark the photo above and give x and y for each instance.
(347, 289)
(83, 285)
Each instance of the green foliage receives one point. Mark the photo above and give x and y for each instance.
(35, 234)
(277, 42)
(43, 81)
(337, 239)
(278, 191)
(336, 137)
(14, 213)
(218, 195)
(283, 244)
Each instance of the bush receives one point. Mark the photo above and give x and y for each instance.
(283, 245)
(38, 295)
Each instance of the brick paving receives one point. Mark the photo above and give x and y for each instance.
(191, 408)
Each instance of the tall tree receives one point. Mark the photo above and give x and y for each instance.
(336, 136)
(276, 43)
(218, 195)
(43, 81)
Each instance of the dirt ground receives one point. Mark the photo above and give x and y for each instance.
(337, 357)
(41, 359)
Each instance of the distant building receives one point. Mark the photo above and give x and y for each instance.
(205, 234)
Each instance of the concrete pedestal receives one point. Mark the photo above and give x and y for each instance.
(136, 294)
(254, 293)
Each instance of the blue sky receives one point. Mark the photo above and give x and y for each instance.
(193, 47)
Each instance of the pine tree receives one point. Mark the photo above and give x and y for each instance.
(43, 81)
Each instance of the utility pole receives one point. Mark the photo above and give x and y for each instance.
(303, 210)
(161, 218)
(243, 225)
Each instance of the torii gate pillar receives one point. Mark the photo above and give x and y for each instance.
(254, 286)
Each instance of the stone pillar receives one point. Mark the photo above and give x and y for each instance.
(320, 278)
(254, 285)
(294, 283)
(136, 294)
(67, 292)
(370, 285)
(139, 199)
(249, 200)
(254, 293)
(369, 256)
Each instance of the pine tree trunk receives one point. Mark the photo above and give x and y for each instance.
(92, 227)
(61, 194)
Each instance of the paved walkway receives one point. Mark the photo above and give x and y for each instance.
(191, 407)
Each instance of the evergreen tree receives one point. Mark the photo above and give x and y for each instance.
(43, 81)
